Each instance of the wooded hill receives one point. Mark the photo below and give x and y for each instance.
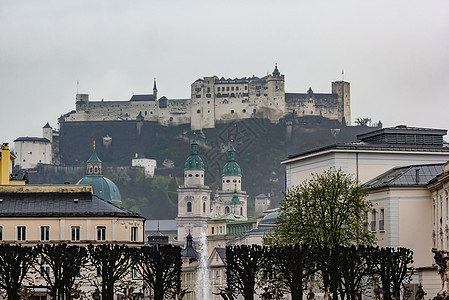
(260, 146)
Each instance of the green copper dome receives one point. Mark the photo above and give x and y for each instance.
(103, 187)
(231, 168)
(194, 162)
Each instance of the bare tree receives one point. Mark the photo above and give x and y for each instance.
(244, 265)
(109, 263)
(160, 267)
(64, 263)
(15, 262)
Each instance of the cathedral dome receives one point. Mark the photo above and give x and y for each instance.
(103, 187)
(231, 168)
(194, 161)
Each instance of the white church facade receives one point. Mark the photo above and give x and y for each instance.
(195, 204)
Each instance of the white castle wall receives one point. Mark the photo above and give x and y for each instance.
(214, 100)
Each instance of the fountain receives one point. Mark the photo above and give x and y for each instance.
(202, 284)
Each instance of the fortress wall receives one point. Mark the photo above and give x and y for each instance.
(214, 100)
(176, 113)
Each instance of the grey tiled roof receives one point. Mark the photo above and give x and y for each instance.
(222, 253)
(148, 97)
(418, 175)
(31, 139)
(318, 99)
(58, 204)
(377, 147)
(164, 225)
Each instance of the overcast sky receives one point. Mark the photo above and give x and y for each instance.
(395, 54)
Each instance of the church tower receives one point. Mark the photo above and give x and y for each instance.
(193, 197)
(231, 199)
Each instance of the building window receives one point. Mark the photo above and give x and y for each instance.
(227, 210)
(218, 89)
(204, 207)
(44, 268)
(101, 233)
(134, 232)
(382, 220)
(134, 273)
(189, 206)
(1, 233)
(212, 230)
(75, 233)
(21, 233)
(373, 220)
(45, 233)
(232, 111)
(198, 111)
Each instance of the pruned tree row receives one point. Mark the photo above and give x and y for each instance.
(344, 271)
(105, 268)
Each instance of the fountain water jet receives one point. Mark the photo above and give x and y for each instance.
(202, 284)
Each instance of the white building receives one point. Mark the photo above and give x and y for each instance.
(402, 217)
(31, 151)
(396, 164)
(148, 164)
(377, 152)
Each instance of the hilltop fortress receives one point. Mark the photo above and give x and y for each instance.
(216, 99)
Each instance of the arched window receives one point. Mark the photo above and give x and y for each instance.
(241, 211)
(189, 206)
(227, 210)
(204, 207)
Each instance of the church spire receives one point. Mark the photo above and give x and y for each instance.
(154, 89)
(235, 197)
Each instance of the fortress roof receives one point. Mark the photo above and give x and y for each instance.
(148, 97)
(319, 99)
(31, 139)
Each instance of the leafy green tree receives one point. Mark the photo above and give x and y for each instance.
(325, 212)
(15, 262)
(328, 210)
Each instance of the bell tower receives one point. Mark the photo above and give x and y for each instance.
(193, 197)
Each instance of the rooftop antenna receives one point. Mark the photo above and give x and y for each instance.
(77, 86)
(342, 75)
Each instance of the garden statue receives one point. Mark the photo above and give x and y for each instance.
(311, 296)
(420, 293)
(378, 291)
(441, 258)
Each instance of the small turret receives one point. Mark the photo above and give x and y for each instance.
(276, 72)
(93, 163)
(47, 132)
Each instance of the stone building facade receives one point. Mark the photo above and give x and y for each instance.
(216, 99)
